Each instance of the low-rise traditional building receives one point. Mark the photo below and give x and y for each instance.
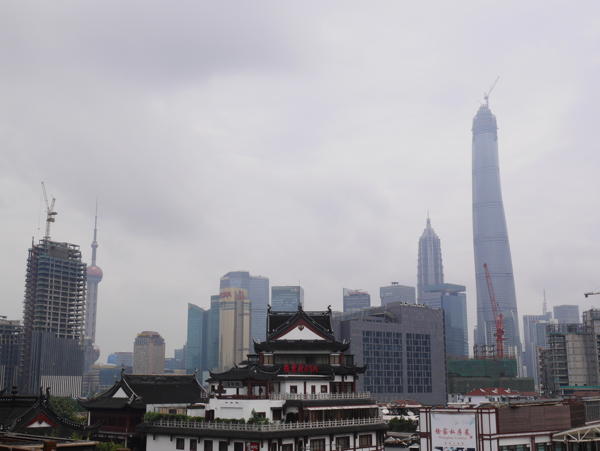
(296, 392)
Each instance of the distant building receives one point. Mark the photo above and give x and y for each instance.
(534, 337)
(490, 236)
(196, 346)
(355, 300)
(120, 359)
(94, 277)
(234, 318)
(212, 334)
(452, 300)
(149, 353)
(465, 375)
(286, 298)
(11, 341)
(430, 270)
(567, 314)
(402, 347)
(258, 291)
(397, 293)
(54, 319)
(571, 357)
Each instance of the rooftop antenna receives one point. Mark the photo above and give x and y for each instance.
(50, 213)
(545, 304)
(95, 242)
(486, 95)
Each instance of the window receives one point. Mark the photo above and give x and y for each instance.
(364, 441)
(323, 388)
(274, 446)
(293, 389)
(222, 446)
(342, 443)
(287, 447)
(208, 445)
(317, 444)
(313, 389)
(238, 446)
(180, 443)
(172, 411)
(193, 444)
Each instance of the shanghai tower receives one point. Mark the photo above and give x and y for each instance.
(490, 236)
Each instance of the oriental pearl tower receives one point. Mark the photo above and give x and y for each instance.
(94, 276)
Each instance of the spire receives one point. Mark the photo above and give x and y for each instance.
(95, 242)
(428, 220)
(545, 304)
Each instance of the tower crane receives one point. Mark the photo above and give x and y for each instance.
(486, 95)
(591, 293)
(498, 316)
(50, 213)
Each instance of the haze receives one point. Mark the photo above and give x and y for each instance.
(302, 141)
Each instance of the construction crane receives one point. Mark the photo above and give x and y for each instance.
(50, 213)
(498, 316)
(486, 95)
(591, 293)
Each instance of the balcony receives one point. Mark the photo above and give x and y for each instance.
(319, 396)
(271, 427)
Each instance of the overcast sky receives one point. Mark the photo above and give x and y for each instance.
(302, 141)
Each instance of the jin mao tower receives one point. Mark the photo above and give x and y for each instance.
(490, 236)
(430, 270)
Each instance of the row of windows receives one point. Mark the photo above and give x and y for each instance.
(418, 363)
(341, 443)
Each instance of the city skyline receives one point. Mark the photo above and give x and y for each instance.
(309, 157)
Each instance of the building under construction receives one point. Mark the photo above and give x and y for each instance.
(53, 319)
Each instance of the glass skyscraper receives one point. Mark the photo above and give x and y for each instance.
(430, 270)
(490, 236)
(286, 298)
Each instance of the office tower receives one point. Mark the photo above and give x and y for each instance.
(430, 270)
(148, 353)
(397, 293)
(567, 314)
(212, 334)
(402, 346)
(355, 300)
(195, 347)
(11, 340)
(258, 291)
(452, 300)
(121, 359)
(534, 338)
(234, 318)
(54, 318)
(571, 357)
(287, 298)
(490, 236)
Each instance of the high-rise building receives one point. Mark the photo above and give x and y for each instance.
(355, 300)
(490, 236)
(571, 357)
(121, 359)
(54, 319)
(452, 300)
(534, 338)
(148, 353)
(11, 340)
(430, 270)
(234, 318)
(212, 334)
(195, 347)
(397, 293)
(94, 276)
(287, 298)
(402, 346)
(567, 314)
(258, 291)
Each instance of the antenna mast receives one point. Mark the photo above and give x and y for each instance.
(50, 213)
(486, 95)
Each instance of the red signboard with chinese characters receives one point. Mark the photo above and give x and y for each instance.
(252, 446)
(300, 368)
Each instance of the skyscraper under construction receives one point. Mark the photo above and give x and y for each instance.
(490, 236)
(53, 317)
